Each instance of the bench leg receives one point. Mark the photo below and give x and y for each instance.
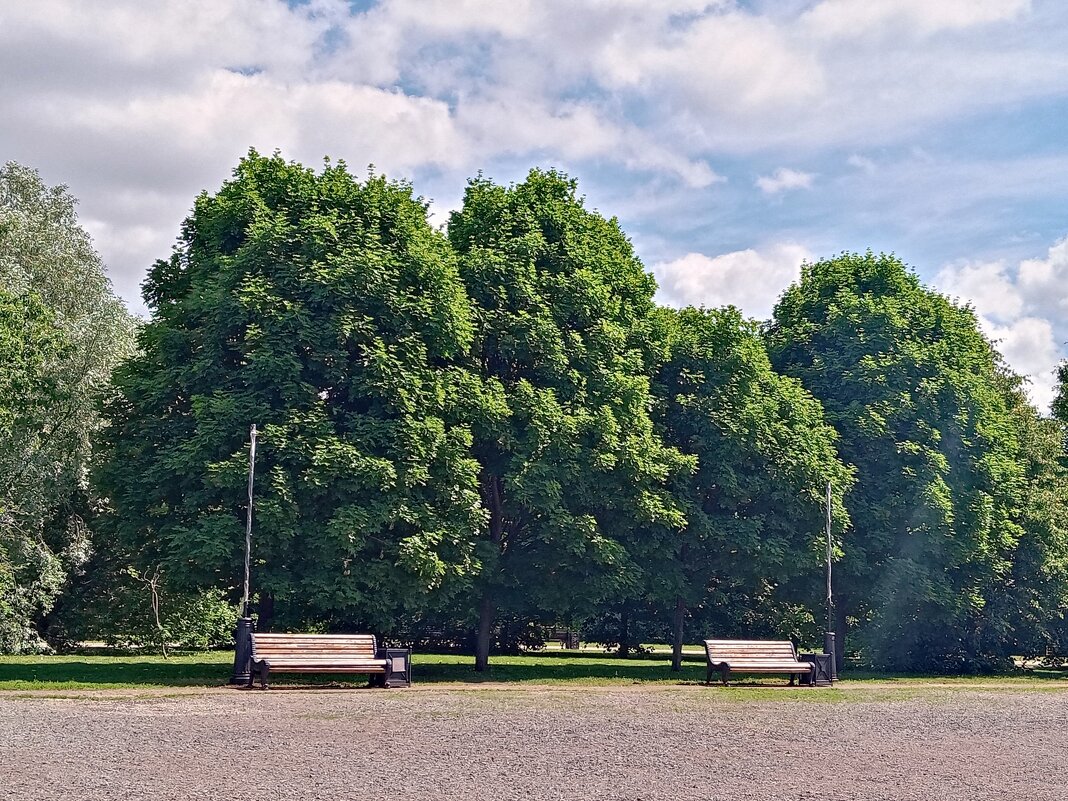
(708, 673)
(264, 673)
(792, 677)
(724, 674)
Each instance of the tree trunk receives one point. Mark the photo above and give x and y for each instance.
(676, 639)
(840, 627)
(624, 629)
(486, 612)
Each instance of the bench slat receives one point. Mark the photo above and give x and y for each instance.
(755, 656)
(329, 669)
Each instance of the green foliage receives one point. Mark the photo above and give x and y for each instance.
(62, 331)
(915, 393)
(1027, 610)
(119, 614)
(755, 504)
(465, 436)
(31, 574)
(327, 311)
(1060, 403)
(557, 394)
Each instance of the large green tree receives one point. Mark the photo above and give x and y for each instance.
(913, 389)
(327, 311)
(31, 574)
(64, 332)
(1025, 612)
(756, 504)
(558, 398)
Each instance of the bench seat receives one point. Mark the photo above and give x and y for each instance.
(754, 656)
(316, 653)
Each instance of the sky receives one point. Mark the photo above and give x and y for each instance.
(733, 140)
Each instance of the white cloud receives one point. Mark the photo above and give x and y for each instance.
(751, 279)
(857, 17)
(1030, 349)
(985, 285)
(1044, 282)
(862, 163)
(1022, 309)
(726, 64)
(783, 179)
(140, 106)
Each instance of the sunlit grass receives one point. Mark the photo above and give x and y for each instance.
(102, 670)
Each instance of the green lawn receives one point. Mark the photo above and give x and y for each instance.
(106, 671)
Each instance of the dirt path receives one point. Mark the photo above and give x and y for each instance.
(536, 743)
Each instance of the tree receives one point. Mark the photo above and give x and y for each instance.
(1060, 403)
(1025, 614)
(327, 311)
(558, 399)
(912, 388)
(64, 331)
(31, 575)
(755, 506)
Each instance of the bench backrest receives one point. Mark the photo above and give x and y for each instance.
(750, 651)
(265, 646)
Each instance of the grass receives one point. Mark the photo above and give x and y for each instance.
(120, 671)
(96, 670)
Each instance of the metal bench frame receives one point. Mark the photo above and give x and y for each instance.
(755, 656)
(323, 653)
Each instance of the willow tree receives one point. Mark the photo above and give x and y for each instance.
(558, 397)
(913, 389)
(55, 291)
(31, 574)
(326, 310)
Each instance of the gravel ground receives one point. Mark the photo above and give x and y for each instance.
(530, 743)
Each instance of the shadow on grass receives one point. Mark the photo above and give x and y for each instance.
(193, 670)
(548, 669)
(1048, 674)
(214, 669)
(70, 670)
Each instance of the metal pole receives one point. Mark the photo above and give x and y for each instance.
(828, 635)
(248, 520)
(243, 635)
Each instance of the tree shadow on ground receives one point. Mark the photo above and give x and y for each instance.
(189, 671)
(553, 670)
(71, 670)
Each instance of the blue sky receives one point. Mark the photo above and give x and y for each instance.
(732, 139)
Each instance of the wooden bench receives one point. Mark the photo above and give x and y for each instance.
(754, 656)
(568, 638)
(318, 653)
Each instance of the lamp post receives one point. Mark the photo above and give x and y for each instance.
(828, 634)
(243, 635)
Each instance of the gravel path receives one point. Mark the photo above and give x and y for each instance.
(600, 743)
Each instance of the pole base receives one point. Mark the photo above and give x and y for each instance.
(242, 652)
(829, 648)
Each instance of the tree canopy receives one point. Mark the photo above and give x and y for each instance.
(916, 394)
(570, 467)
(324, 309)
(62, 331)
(755, 504)
(468, 435)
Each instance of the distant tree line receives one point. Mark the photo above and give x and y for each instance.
(469, 434)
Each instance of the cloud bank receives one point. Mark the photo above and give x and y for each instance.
(710, 126)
